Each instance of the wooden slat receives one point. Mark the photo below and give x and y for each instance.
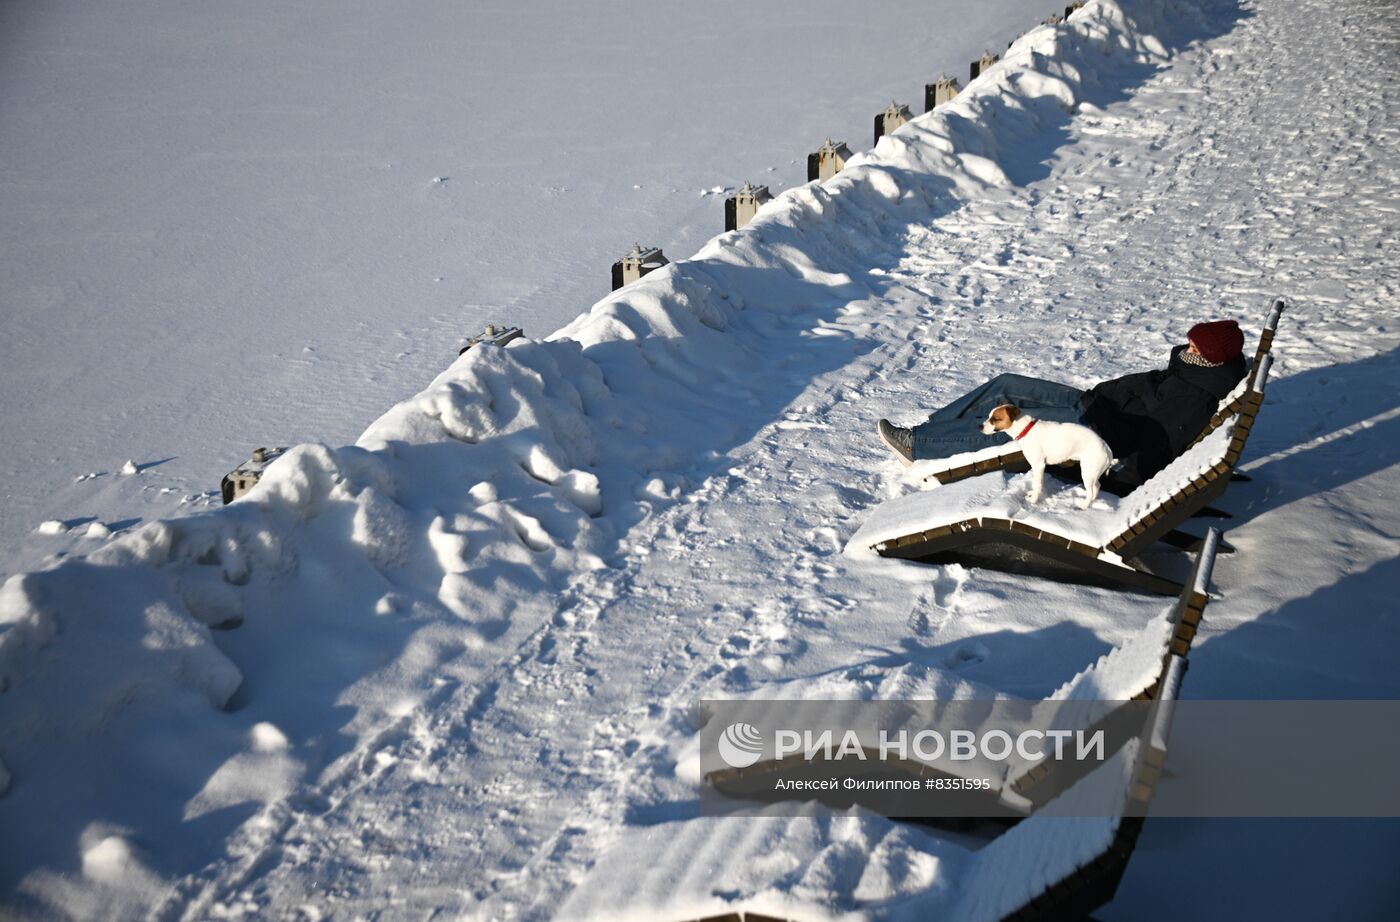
(1084, 549)
(1025, 529)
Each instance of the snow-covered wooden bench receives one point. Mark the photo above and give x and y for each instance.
(1119, 674)
(1133, 671)
(1008, 457)
(1013, 878)
(984, 520)
(1063, 862)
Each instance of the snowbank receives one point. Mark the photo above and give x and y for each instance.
(322, 604)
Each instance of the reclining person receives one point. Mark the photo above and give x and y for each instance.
(1147, 418)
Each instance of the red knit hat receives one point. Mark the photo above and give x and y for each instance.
(1217, 341)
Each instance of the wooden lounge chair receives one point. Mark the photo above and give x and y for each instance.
(1064, 862)
(1009, 458)
(1010, 880)
(1037, 782)
(1091, 700)
(978, 521)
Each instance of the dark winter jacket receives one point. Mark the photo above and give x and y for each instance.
(1149, 418)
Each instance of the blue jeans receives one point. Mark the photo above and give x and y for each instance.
(958, 427)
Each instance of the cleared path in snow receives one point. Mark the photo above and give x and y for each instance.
(1263, 161)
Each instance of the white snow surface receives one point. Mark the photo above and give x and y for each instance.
(228, 226)
(444, 670)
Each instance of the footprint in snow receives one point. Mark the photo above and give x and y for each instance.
(969, 654)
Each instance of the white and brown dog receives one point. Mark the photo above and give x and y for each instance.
(1044, 442)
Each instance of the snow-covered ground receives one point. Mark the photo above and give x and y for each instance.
(254, 224)
(452, 666)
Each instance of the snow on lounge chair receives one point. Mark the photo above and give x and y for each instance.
(1014, 878)
(1063, 862)
(1008, 457)
(1134, 671)
(984, 521)
(1119, 674)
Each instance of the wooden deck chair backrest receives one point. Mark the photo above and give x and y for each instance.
(1191, 607)
(1250, 411)
(1266, 337)
(1032, 872)
(1154, 755)
(1184, 621)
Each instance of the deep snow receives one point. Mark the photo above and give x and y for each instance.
(454, 663)
(223, 228)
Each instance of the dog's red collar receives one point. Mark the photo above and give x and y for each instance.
(1029, 426)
